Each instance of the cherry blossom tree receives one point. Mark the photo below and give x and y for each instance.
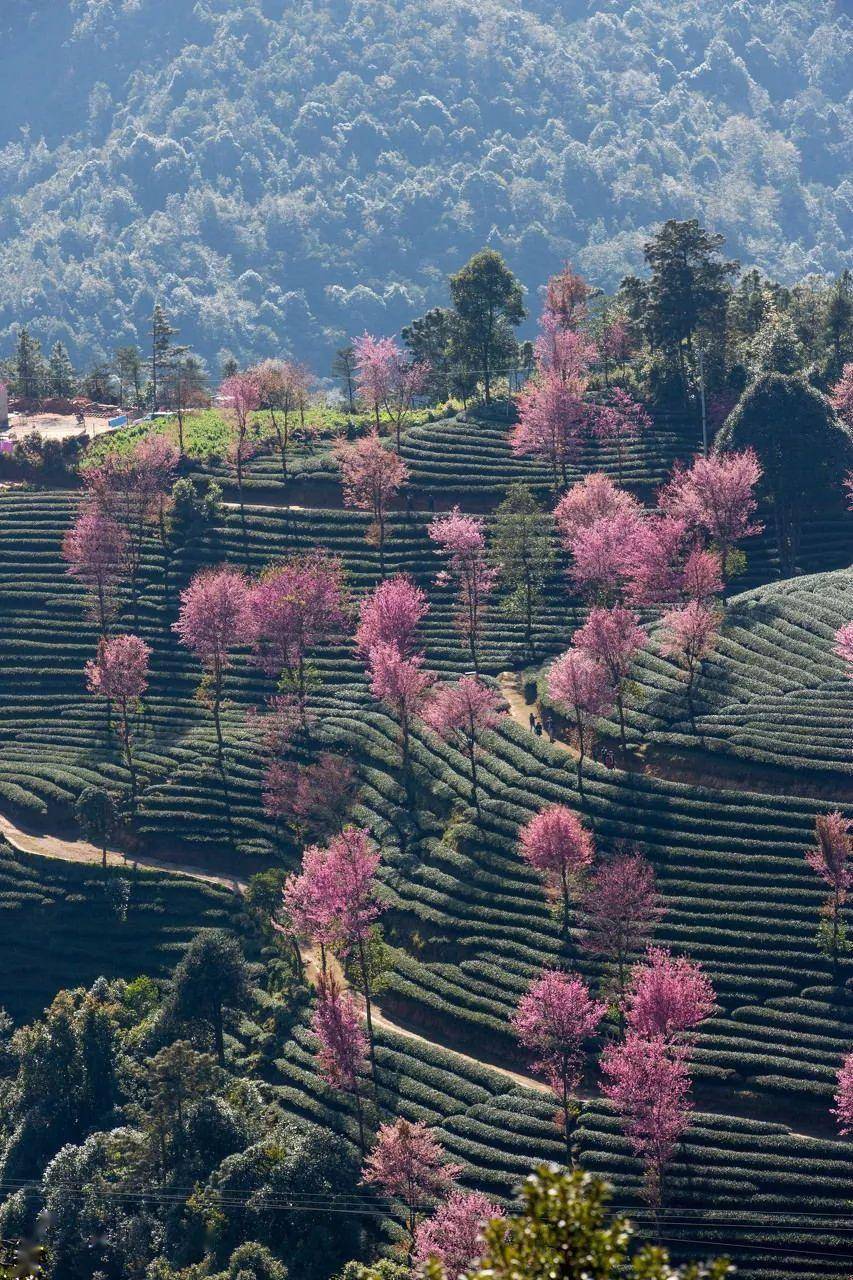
(242, 394)
(95, 550)
(843, 1110)
(566, 296)
(407, 1162)
(554, 1020)
(460, 713)
(619, 420)
(650, 1089)
(312, 800)
(604, 554)
(452, 1235)
(844, 646)
(403, 685)
(391, 614)
(841, 396)
(716, 496)
(294, 608)
(689, 635)
(374, 370)
(612, 637)
(119, 674)
(552, 420)
(614, 344)
(342, 1044)
(702, 575)
(655, 561)
(372, 476)
(387, 378)
(310, 900)
(463, 540)
(621, 908)
(212, 623)
(128, 489)
(354, 860)
(580, 686)
(557, 845)
(591, 499)
(831, 858)
(668, 997)
(284, 389)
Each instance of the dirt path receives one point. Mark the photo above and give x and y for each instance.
(81, 851)
(693, 766)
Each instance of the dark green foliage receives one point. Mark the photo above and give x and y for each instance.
(95, 810)
(522, 548)
(211, 980)
(803, 449)
(487, 301)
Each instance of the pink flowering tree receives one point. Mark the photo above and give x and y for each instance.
(241, 393)
(557, 845)
(342, 1044)
(353, 863)
(650, 1089)
(716, 497)
(95, 550)
(613, 638)
(371, 475)
(119, 674)
(554, 1020)
(453, 1235)
(284, 391)
(843, 1110)
(591, 499)
(391, 614)
(310, 901)
(621, 907)
(688, 636)
(604, 556)
(841, 396)
(409, 1164)
(655, 561)
(462, 539)
(129, 489)
(294, 608)
(552, 421)
(844, 646)
(566, 298)
(387, 379)
(831, 858)
(668, 998)
(614, 344)
(375, 359)
(702, 576)
(212, 623)
(460, 713)
(403, 684)
(310, 800)
(619, 421)
(580, 687)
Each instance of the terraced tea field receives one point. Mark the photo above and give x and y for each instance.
(468, 924)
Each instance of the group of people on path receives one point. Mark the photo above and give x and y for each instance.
(547, 725)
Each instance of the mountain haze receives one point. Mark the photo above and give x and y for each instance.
(283, 175)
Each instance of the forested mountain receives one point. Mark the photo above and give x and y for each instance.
(283, 174)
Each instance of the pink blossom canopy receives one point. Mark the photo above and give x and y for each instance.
(213, 614)
(554, 1020)
(668, 996)
(120, 671)
(391, 614)
(453, 1234)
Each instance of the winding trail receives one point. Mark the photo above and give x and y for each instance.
(692, 766)
(80, 851)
